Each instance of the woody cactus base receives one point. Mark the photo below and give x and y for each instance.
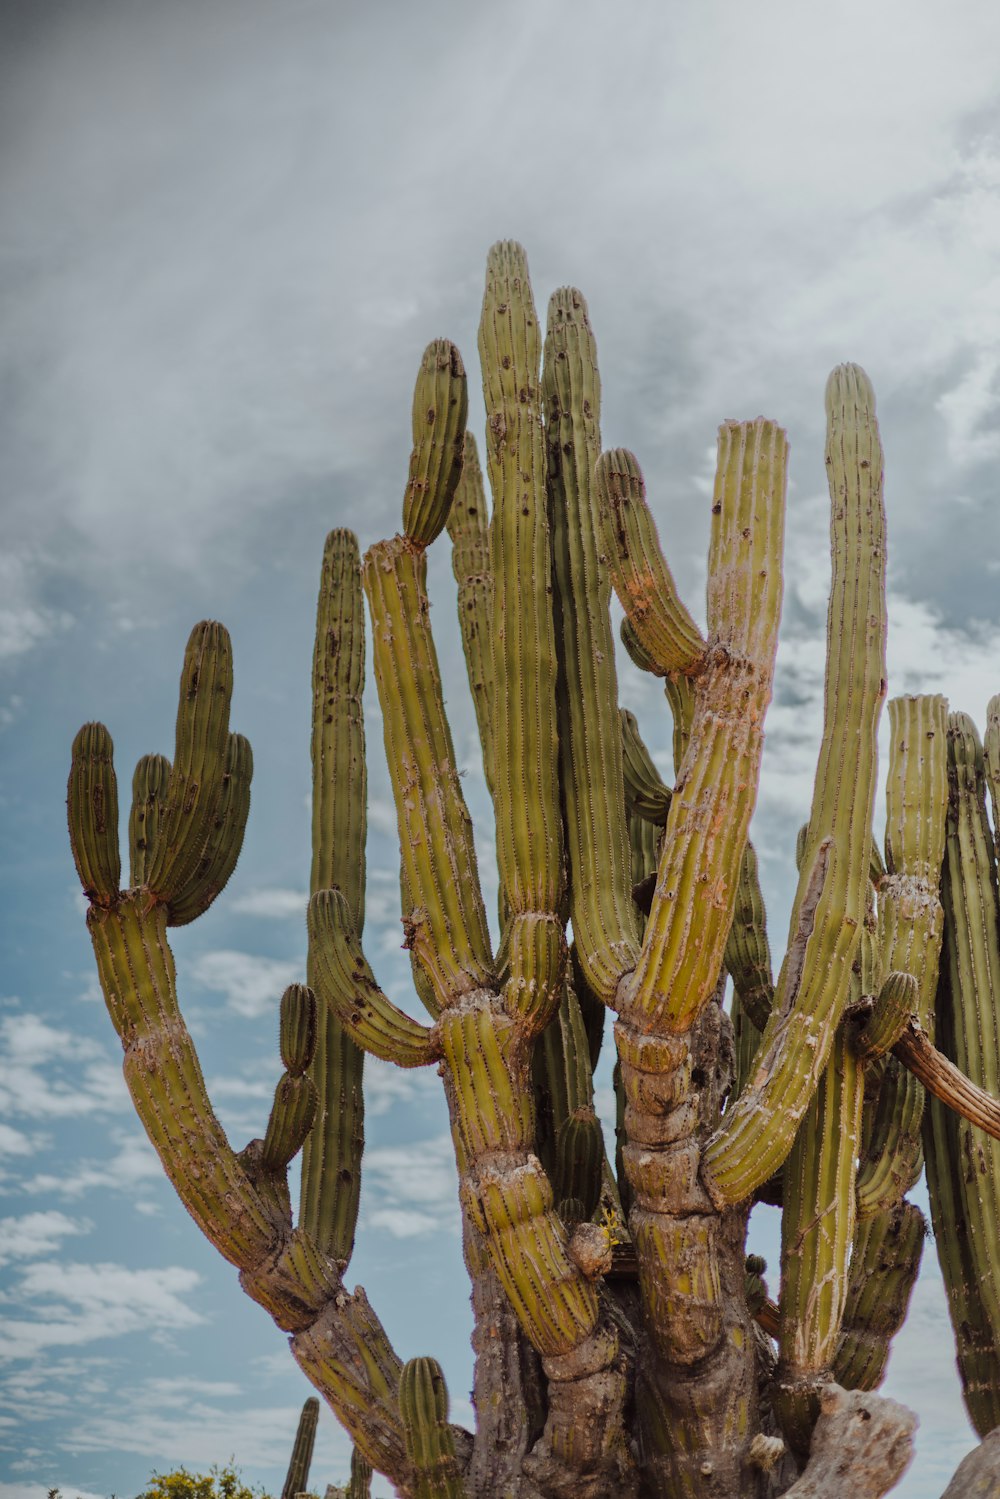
(624, 1344)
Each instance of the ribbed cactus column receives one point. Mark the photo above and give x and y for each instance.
(331, 1160)
(828, 912)
(297, 1477)
(590, 744)
(963, 1166)
(690, 1256)
(423, 1404)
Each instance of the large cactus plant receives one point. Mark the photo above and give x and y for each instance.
(624, 1345)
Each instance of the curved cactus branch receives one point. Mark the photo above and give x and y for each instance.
(440, 408)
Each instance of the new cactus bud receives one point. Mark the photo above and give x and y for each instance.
(293, 1113)
(634, 648)
(579, 1160)
(93, 814)
(297, 1028)
(423, 1405)
(897, 1001)
(440, 409)
(149, 800)
(297, 1477)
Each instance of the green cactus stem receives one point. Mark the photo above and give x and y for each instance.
(295, 1102)
(360, 1485)
(817, 1230)
(829, 907)
(297, 1477)
(469, 529)
(896, 1003)
(225, 837)
(668, 637)
(440, 408)
(885, 1260)
(528, 811)
(331, 1157)
(423, 1405)
(748, 953)
(590, 743)
(92, 800)
(646, 795)
(910, 927)
(449, 934)
(969, 1034)
(684, 1249)
(149, 798)
(349, 987)
(202, 746)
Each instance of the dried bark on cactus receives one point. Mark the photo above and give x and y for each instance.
(624, 1343)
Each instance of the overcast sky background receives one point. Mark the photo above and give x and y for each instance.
(227, 231)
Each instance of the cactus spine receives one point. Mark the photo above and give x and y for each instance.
(588, 1385)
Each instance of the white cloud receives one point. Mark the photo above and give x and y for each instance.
(35, 1235)
(47, 1072)
(272, 904)
(252, 986)
(413, 1188)
(135, 1164)
(76, 1304)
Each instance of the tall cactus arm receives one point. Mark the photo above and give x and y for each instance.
(911, 922)
(991, 759)
(225, 837)
(449, 932)
(294, 1108)
(714, 797)
(440, 409)
(948, 1083)
(202, 744)
(884, 1265)
(469, 529)
(668, 637)
(817, 1229)
(748, 953)
(529, 815)
(963, 1167)
(149, 797)
(590, 743)
(812, 990)
(92, 802)
(423, 1404)
(668, 1032)
(297, 1477)
(331, 1159)
(646, 795)
(348, 985)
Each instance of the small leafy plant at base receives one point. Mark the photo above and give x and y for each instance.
(219, 1483)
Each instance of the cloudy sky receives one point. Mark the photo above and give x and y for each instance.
(229, 228)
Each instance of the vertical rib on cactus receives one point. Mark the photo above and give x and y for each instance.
(748, 953)
(826, 922)
(423, 1405)
(297, 1477)
(963, 1164)
(469, 529)
(646, 795)
(449, 933)
(690, 1257)
(529, 818)
(817, 1228)
(149, 798)
(667, 636)
(884, 1265)
(92, 801)
(590, 745)
(331, 1159)
(440, 408)
(911, 921)
(713, 800)
(199, 760)
(224, 840)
